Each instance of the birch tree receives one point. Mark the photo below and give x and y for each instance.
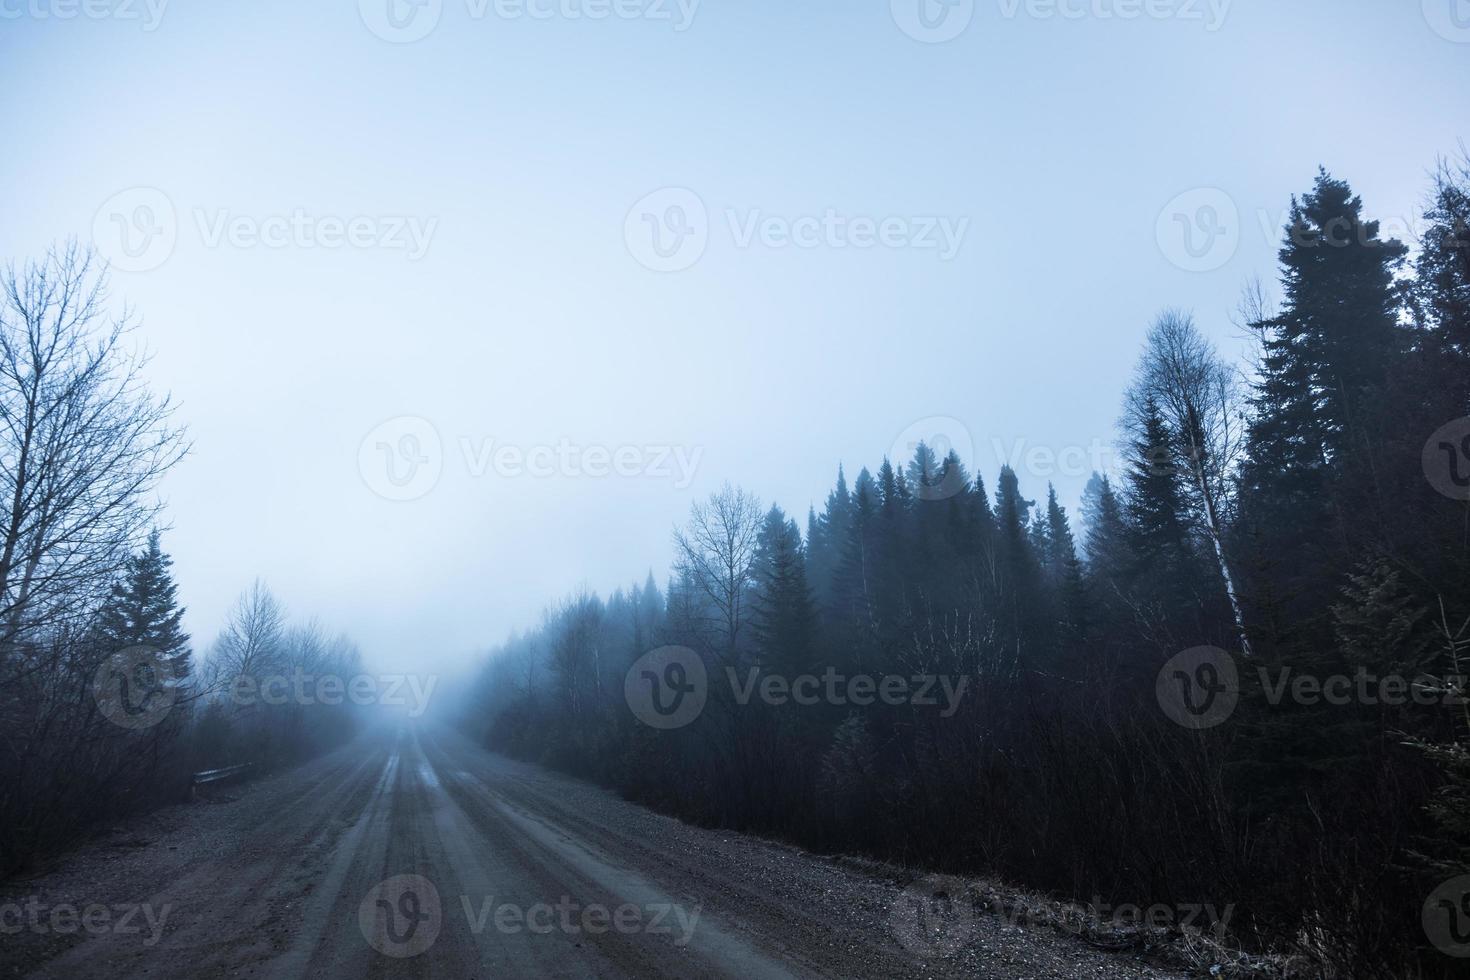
(1198, 395)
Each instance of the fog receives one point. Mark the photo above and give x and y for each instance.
(500, 292)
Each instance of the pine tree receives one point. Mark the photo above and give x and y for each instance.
(982, 520)
(1155, 497)
(1019, 601)
(143, 609)
(1107, 532)
(1066, 571)
(1327, 351)
(1165, 568)
(1325, 362)
(783, 621)
(1441, 294)
(826, 543)
(855, 584)
(926, 474)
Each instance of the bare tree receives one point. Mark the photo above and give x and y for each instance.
(82, 445)
(1199, 396)
(253, 642)
(576, 652)
(715, 553)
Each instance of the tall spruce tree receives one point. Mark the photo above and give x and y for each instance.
(1166, 568)
(1019, 605)
(1324, 363)
(143, 609)
(1065, 571)
(783, 620)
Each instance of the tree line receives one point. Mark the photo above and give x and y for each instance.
(104, 709)
(1271, 521)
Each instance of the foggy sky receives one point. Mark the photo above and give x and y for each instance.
(498, 288)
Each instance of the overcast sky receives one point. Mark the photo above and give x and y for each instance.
(674, 244)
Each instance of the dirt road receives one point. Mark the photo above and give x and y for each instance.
(416, 853)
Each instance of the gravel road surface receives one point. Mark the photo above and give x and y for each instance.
(415, 853)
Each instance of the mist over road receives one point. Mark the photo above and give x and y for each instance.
(413, 852)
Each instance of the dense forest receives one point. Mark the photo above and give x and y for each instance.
(104, 708)
(1235, 677)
